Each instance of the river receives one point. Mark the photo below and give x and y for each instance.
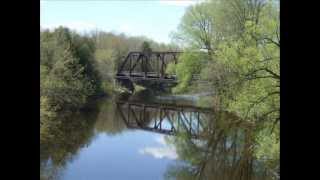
(148, 137)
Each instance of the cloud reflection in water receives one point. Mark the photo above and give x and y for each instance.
(163, 151)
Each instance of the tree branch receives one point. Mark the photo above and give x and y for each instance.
(272, 41)
(271, 72)
(274, 75)
(274, 124)
(269, 112)
(261, 100)
(258, 77)
(268, 59)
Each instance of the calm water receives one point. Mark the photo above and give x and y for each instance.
(146, 137)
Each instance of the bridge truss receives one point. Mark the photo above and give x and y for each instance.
(148, 66)
(164, 118)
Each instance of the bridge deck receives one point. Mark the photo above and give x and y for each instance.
(152, 76)
(162, 131)
(174, 107)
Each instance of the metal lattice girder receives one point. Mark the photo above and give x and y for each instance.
(152, 116)
(147, 66)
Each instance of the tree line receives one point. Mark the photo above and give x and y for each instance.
(235, 46)
(75, 67)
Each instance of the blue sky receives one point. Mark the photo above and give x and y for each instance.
(155, 19)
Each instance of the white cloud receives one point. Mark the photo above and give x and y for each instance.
(160, 152)
(166, 151)
(179, 2)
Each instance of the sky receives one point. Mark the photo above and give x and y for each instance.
(155, 19)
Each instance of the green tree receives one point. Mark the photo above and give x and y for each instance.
(224, 152)
(243, 70)
(196, 28)
(145, 47)
(68, 74)
(189, 63)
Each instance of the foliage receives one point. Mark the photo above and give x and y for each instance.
(189, 63)
(74, 67)
(195, 30)
(112, 50)
(61, 139)
(108, 118)
(268, 145)
(243, 67)
(224, 151)
(252, 66)
(68, 75)
(145, 47)
(241, 38)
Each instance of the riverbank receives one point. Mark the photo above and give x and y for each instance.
(101, 134)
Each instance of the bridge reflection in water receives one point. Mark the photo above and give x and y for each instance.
(169, 119)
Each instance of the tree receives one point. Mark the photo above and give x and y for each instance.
(190, 63)
(145, 47)
(243, 66)
(243, 70)
(252, 63)
(224, 152)
(68, 76)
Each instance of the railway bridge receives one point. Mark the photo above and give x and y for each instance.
(145, 68)
(168, 119)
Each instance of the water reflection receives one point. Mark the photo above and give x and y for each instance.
(226, 152)
(168, 119)
(108, 120)
(61, 139)
(168, 139)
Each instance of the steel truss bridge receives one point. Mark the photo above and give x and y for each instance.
(168, 119)
(147, 66)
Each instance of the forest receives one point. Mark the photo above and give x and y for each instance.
(233, 44)
(75, 68)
